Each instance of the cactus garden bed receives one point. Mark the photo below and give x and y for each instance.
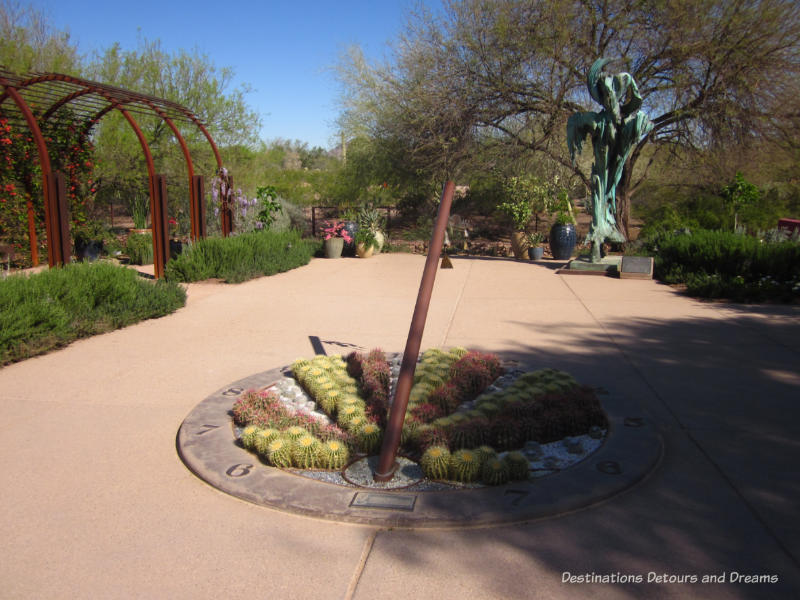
(471, 421)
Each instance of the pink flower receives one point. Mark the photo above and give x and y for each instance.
(337, 229)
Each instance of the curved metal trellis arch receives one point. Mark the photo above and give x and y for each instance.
(90, 101)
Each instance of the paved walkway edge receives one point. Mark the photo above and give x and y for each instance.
(207, 445)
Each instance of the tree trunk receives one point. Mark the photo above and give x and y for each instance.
(624, 213)
(624, 193)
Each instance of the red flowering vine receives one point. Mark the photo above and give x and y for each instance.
(71, 153)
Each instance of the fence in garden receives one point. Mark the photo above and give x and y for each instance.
(320, 214)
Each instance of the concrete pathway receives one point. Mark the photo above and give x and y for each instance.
(95, 502)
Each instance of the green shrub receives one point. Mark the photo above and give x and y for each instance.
(716, 264)
(241, 257)
(139, 249)
(50, 309)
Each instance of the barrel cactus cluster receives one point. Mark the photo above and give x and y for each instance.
(283, 438)
(454, 428)
(339, 394)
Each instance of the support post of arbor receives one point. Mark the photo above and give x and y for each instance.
(391, 439)
(199, 198)
(58, 241)
(226, 210)
(160, 231)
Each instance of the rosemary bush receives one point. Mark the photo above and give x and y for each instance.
(47, 310)
(242, 257)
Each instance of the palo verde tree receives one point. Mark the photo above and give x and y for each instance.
(510, 73)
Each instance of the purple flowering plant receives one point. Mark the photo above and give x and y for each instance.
(334, 229)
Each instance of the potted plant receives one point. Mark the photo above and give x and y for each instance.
(336, 234)
(366, 242)
(139, 205)
(519, 209)
(371, 218)
(535, 249)
(562, 234)
(350, 224)
(175, 241)
(89, 239)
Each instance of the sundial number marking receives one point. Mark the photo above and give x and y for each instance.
(207, 429)
(233, 391)
(238, 470)
(520, 496)
(609, 467)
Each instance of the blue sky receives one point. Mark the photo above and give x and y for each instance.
(284, 50)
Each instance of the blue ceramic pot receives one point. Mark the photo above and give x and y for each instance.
(90, 250)
(562, 241)
(351, 227)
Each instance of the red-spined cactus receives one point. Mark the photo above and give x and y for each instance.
(433, 436)
(447, 397)
(506, 433)
(426, 412)
(474, 372)
(471, 433)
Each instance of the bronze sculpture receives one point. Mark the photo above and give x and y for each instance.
(614, 131)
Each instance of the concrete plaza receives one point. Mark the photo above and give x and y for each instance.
(96, 502)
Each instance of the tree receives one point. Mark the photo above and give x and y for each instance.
(190, 79)
(510, 73)
(28, 42)
(738, 194)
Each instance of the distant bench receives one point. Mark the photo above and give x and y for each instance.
(790, 225)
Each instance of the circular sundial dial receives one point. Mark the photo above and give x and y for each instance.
(209, 446)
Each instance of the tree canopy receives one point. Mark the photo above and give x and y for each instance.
(29, 42)
(508, 74)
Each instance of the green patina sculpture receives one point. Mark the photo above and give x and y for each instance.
(614, 131)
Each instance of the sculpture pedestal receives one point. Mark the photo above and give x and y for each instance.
(624, 267)
(583, 265)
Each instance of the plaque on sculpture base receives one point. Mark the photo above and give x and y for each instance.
(636, 267)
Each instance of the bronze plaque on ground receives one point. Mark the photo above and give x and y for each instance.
(384, 501)
(636, 267)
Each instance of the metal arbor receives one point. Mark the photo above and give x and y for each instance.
(32, 99)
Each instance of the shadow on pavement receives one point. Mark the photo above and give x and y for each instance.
(724, 393)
